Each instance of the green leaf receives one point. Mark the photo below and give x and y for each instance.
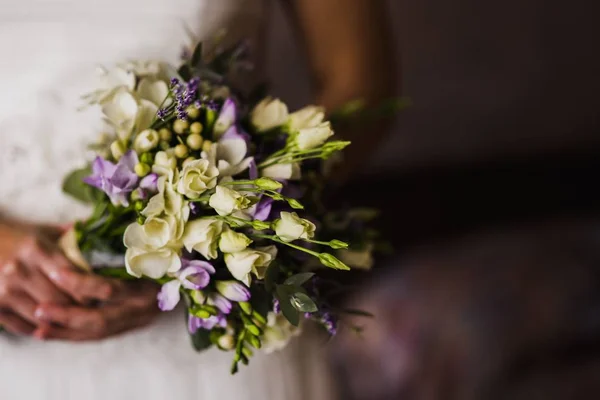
(74, 186)
(201, 340)
(197, 55)
(185, 72)
(303, 303)
(271, 277)
(289, 311)
(299, 279)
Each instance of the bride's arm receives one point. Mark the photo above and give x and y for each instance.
(351, 54)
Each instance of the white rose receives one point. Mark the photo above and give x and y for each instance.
(202, 235)
(290, 227)
(167, 200)
(110, 83)
(226, 200)
(197, 177)
(310, 138)
(308, 117)
(268, 114)
(242, 263)
(153, 264)
(232, 241)
(359, 259)
(146, 141)
(154, 234)
(282, 171)
(164, 163)
(277, 333)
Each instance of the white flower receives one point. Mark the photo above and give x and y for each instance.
(142, 68)
(167, 200)
(232, 241)
(277, 333)
(229, 156)
(164, 163)
(310, 138)
(282, 171)
(291, 227)
(308, 117)
(226, 200)
(111, 82)
(247, 261)
(268, 114)
(145, 141)
(150, 247)
(202, 235)
(197, 177)
(358, 259)
(153, 90)
(153, 264)
(121, 112)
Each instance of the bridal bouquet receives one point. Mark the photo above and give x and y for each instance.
(216, 196)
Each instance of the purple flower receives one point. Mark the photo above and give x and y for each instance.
(194, 275)
(263, 208)
(253, 169)
(150, 183)
(195, 323)
(227, 117)
(276, 306)
(233, 290)
(117, 181)
(330, 323)
(220, 302)
(236, 133)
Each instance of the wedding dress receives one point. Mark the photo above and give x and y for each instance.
(49, 51)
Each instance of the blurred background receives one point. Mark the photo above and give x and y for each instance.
(487, 191)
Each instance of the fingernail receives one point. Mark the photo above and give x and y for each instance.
(40, 313)
(54, 275)
(39, 334)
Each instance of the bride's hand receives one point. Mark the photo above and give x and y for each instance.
(132, 307)
(26, 259)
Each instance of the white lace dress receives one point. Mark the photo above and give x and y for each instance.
(49, 49)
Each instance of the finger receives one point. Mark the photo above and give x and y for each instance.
(20, 304)
(79, 285)
(15, 324)
(103, 320)
(42, 290)
(60, 333)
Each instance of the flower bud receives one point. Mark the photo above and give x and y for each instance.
(138, 206)
(194, 141)
(192, 112)
(146, 141)
(261, 225)
(206, 145)
(331, 261)
(253, 329)
(180, 126)
(142, 169)
(295, 204)
(181, 151)
(117, 149)
(247, 354)
(232, 242)
(137, 195)
(338, 244)
(226, 342)
(291, 227)
(254, 341)
(258, 319)
(164, 145)
(233, 290)
(202, 314)
(246, 307)
(165, 134)
(196, 127)
(198, 296)
(268, 183)
(147, 158)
